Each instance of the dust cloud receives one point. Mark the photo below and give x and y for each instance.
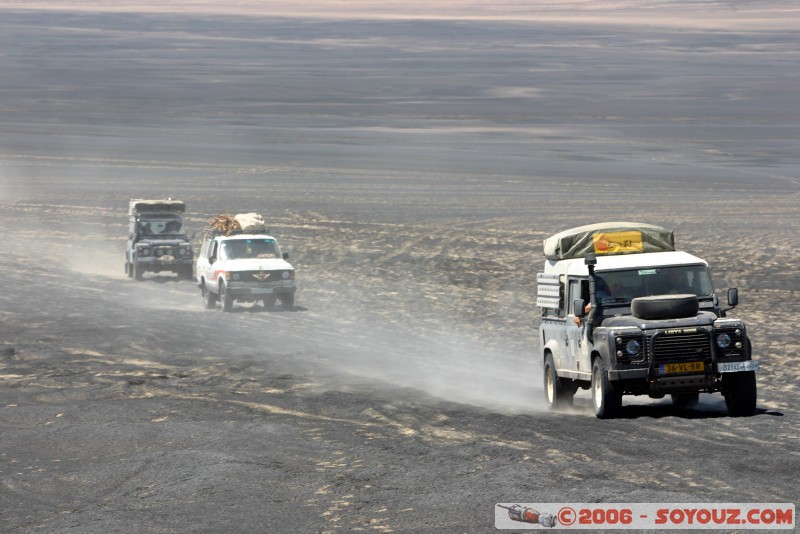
(441, 363)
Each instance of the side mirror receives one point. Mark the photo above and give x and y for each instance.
(733, 297)
(578, 308)
(590, 259)
(285, 255)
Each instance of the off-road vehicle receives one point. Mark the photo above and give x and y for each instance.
(244, 267)
(624, 313)
(156, 239)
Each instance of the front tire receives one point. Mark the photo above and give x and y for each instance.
(287, 302)
(607, 401)
(226, 297)
(269, 302)
(557, 392)
(138, 271)
(739, 390)
(186, 273)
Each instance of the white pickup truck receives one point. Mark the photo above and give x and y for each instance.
(245, 267)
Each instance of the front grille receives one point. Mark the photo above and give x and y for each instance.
(681, 347)
(163, 251)
(261, 276)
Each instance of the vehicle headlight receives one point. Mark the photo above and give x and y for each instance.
(144, 251)
(286, 275)
(159, 252)
(723, 341)
(632, 347)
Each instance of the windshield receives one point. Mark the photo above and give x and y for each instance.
(622, 286)
(235, 249)
(160, 226)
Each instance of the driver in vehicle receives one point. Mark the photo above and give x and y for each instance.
(603, 295)
(673, 282)
(264, 249)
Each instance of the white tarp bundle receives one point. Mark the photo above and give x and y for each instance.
(608, 239)
(250, 222)
(138, 205)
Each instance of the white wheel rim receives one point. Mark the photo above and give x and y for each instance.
(597, 389)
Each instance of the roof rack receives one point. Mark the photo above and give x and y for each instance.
(215, 233)
(167, 205)
(607, 239)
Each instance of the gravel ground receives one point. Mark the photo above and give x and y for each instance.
(411, 169)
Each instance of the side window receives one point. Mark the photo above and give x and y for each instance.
(204, 249)
(212, 249)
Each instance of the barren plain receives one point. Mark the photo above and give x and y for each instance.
(411, 166)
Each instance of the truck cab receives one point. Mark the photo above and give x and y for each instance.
(632, 322)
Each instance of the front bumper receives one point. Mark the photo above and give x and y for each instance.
(163, 264)
(651, 381)
(627, 374)
(261, 290)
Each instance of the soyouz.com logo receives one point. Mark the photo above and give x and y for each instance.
(637, 516)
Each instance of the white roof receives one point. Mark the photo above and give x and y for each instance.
(577, 267)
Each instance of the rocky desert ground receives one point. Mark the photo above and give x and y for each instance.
(411, 160)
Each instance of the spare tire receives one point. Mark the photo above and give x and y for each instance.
(665, 306)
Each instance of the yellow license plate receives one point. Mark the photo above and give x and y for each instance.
(686, 367)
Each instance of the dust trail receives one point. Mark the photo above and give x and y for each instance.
(441, 361)
(438, 356)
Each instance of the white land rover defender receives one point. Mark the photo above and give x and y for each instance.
(246, 266)
(623, 313)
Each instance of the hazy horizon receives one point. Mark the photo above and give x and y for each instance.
(730, 14)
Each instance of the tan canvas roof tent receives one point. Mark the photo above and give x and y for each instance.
(608, 238)
(168, 205)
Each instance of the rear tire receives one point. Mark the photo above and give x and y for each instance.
(558, 392)
(685, 400)
(740, 392)
(209, 298)
(607, 401)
